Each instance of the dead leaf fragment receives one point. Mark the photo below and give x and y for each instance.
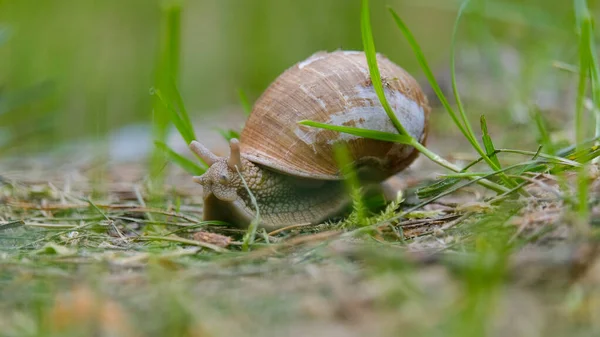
(212, 238)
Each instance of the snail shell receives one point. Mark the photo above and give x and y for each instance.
(289, 169)
(334, 88)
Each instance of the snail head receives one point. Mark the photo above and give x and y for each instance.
(221, 179)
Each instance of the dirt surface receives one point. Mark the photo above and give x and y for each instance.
(86, 250)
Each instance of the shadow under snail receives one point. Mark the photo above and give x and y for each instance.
(290, 168)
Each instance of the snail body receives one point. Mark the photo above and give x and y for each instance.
(289, 168)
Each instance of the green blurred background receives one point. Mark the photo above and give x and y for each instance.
(80, 68)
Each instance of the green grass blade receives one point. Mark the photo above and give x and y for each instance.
(544, 135)
(538, 165)
(250, 235)
(369, 47)
(565, 67)
(173, 41)
(180, 108)
(535, 154)
(594, 68)
(466, 130)
(372, 134)
(426, 69)
(465, 121)
(229, 134)
(487, 142)
(344, 161)
(437, 187)
(186, 132)
(585, 155)
(402, 139)
(167, 70)
(583, 19)
(465, 184)
(584, 62)
(186, 164)
(581, 11)
(245, 102)
(494, 164)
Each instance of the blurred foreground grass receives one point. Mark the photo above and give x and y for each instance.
(73, 267)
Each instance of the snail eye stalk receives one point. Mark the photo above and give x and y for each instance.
(203, 152)
(235, 158)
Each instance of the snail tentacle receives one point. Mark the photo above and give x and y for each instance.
(203, 152)
(235, 157)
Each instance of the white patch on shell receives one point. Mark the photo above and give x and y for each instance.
(309, 93)
(351, 52)
(309, 136)
(372, 116)
(311, 59)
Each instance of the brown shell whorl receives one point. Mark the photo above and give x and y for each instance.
(333, 88)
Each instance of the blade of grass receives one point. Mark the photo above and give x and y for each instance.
(402, 139)
(437, 187)
(449, 181)
(583, 18)
(186, 131)
(180, 110)
(465, 129)
(446, 183)
(487, 142)
(544, 135)
(228, 134)
(365, 133)
(369, 47)
(250, 235)
(426, 70)
(585, 155)
(469, 134)
(594, 68)
(173, 238)
(565, 67)
(437, 197)
(484, 175)
(167, 69)
(571, 150)
(245, 102)
(188, 165)
(556, 159)
(494, 164)
(11, 224)
(344, 161)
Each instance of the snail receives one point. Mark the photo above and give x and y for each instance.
(289, 168)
